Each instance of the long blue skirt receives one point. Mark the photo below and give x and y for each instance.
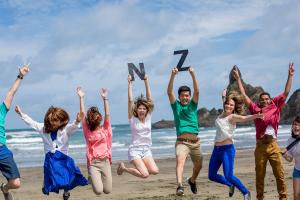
(60, 172)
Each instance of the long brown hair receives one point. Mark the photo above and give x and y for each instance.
(93, 118)
(239, 106)
(55, 119)
(141, 100)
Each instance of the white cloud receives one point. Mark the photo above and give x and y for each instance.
(70, 44)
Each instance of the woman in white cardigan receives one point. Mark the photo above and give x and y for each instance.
(60, 171)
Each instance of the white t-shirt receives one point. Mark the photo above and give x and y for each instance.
(140, 132)
(62, 141)
(224, 128)
(294, 152)
(270, 131)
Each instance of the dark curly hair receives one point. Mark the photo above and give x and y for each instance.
(55, 119)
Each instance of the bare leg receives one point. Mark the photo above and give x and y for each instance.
(12, 184)
(139, 170)
(196, 170)
(296, 186)
(151, 165)
(180, 161)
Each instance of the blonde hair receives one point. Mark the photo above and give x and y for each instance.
(239, 106)
(55, 119)
(141, 100)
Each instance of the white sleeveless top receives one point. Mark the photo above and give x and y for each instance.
(140, 132)
(224, 129)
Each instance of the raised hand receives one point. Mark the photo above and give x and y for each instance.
(79, 117)
(191, 70)
(80, 92)
(104, 93)
(236, 74)
(291, 69)
(24, 70)
(174, 71)
(146, 77)
(18, 110)
(129, 78)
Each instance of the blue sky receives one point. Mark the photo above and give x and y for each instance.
(90, 42)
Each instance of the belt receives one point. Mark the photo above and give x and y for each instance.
(187, 140)
(266, 139)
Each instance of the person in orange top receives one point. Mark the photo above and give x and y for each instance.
(98, 144)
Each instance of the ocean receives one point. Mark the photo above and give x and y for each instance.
(28, 150)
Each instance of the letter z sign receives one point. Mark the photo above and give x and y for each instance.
(183, 53)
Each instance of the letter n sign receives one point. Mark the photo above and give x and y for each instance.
(140, 73)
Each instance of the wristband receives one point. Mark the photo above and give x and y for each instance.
(20, 77)
(105, 99)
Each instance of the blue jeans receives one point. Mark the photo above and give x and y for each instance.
(224, 155)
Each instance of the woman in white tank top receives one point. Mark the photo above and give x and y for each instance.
(224, 151)
(139, 152)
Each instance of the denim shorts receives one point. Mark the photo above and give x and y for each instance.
(296, 173)
(9, 168)
(139, 152)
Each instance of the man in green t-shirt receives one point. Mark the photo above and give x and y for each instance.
(186, 122)
(8, 166)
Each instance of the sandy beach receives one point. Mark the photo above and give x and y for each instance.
(161, 186)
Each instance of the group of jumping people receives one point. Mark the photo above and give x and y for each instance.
(61, 172)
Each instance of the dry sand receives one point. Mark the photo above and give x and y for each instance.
(163, 185)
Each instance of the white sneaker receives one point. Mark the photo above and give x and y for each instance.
(247, 196)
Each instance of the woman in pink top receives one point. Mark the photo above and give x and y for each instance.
(98, 144)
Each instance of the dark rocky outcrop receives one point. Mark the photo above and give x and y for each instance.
(163, 124)
(206, 118)
(291, 109)
(252, 92)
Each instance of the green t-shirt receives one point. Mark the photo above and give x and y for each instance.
(185, 117)
(3, 111)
